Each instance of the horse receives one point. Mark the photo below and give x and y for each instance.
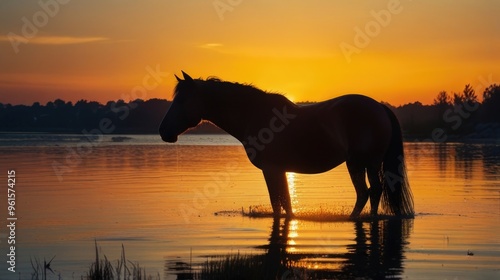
(280, 136)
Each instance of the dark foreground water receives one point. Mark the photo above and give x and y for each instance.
(176, 205)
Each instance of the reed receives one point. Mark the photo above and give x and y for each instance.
(39, 270)
(100, 269)
(103, 269)
(232, 267)
(243, 267)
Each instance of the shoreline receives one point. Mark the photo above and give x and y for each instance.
(406, 139)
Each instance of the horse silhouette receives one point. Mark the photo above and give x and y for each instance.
(280, 136)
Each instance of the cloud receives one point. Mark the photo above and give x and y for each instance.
(211, 45)
(302, 50)
(54, 40)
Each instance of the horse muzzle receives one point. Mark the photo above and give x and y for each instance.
(169, 138)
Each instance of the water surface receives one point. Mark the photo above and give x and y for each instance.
(171, 204)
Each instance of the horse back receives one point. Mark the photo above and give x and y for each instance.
(359, 123)
(325, 134)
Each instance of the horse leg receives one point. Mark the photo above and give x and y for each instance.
(357, 173)
(277, 186)
(374, 177)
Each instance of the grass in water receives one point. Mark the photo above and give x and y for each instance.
(232, 267)
(100, 269)
(39, 270)
(103, 269)
(249, 267)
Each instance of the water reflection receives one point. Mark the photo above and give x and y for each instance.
(442, 153)
(377, 251)
(291, 178)
(492, 160)
(461, 160)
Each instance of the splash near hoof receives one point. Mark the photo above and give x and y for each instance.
(319, 215)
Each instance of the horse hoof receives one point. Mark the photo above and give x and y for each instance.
(353, 217)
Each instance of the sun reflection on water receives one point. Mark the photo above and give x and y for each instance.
(293, 233)
(291, 178)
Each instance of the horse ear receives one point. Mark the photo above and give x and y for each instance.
(187, 77)
(178, 79)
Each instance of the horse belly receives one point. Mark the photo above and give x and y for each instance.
(310, 154)
(313, 164)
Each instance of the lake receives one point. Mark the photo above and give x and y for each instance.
(174, 207)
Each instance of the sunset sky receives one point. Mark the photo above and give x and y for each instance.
(394, 51)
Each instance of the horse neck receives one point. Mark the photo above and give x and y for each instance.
(236, 112)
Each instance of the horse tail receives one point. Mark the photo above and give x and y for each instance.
(397, 197)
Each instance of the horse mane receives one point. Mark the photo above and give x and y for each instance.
(235, 87)
(244, 92)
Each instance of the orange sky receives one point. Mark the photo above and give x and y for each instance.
(395, 51)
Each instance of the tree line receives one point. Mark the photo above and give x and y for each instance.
(454, 115)
(65, 117)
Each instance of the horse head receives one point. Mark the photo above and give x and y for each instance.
(184, 112)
